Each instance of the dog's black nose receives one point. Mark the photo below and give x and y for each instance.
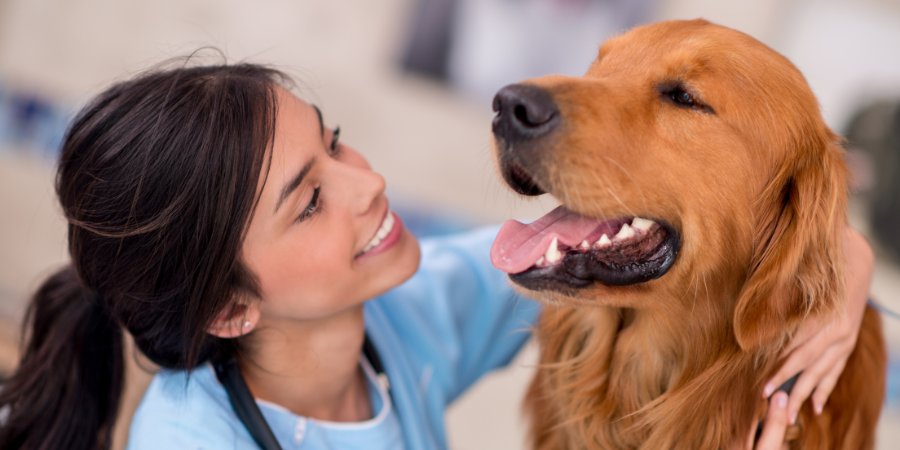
(524, 112)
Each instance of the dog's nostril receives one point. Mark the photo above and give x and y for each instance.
(521, 114)
(524, 112)
(532, 117)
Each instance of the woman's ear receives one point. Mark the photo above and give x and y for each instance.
(797, 264)
(235, 320)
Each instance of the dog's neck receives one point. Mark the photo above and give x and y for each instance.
(656, 377)
(653, 353)
(658, 367)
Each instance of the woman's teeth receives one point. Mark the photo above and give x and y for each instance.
(382, 232)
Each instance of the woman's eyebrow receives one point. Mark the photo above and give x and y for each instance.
(321, 122)
(294, 183)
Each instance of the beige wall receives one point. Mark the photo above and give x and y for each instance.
(430, 143)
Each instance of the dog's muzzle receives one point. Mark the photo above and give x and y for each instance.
(525, 114)
(588, 249)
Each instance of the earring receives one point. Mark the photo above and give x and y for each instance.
(247, 324)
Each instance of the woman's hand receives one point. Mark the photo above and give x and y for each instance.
(820, 349)
(774, 428)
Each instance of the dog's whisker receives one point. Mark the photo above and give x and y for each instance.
(627, 173)
(600, 204)
(606, 185)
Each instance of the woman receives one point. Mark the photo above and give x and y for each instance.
(214, 217)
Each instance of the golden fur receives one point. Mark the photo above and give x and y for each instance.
(757, 188)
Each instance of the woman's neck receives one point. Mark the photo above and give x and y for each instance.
(310, 368)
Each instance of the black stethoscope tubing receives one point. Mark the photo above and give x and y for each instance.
(244, 405)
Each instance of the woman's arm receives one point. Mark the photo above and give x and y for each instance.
(820, 350)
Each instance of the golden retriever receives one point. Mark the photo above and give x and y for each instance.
(702, 209)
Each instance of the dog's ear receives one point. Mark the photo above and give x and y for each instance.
(797, 263)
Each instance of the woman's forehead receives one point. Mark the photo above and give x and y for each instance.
(298, 126)
(296, 142)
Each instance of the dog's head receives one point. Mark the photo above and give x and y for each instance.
(688, 156)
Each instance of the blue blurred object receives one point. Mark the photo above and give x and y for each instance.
(49, 132)
(26, 112)
(4, 116)
(31, 122)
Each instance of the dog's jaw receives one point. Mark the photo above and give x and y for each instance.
(582, 269)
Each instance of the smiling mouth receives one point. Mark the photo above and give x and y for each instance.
(388, 224)
(564, 250)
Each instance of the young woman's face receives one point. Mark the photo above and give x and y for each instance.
(322, 237)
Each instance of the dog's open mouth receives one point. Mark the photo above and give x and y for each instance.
(565, 250)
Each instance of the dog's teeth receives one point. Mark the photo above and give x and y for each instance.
(625, 233)
(642, 224)
(603, 241)
(553, 255)
(541, 262)
(585, 245)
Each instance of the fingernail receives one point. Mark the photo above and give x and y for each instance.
(768, 390)
(818, 409)
(781, 401)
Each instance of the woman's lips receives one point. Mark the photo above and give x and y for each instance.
(387, 235)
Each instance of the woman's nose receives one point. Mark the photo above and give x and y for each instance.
(370, 188)
(365, 186)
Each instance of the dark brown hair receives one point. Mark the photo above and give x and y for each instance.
(158, 180)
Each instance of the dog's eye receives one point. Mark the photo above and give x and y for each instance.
(676, 93)
(682, 97)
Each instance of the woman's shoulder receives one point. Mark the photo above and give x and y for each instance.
(182, 409)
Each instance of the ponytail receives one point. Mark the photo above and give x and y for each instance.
(65, 392)
(157, 179)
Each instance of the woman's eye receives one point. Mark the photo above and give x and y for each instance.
(334, 148)
(312, 207)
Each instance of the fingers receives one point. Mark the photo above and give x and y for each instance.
(801, 359)
(811, 377)
(775, 425)
(831, 342)
(798, 361)
(826, 385)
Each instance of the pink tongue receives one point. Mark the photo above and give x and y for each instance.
(518, 246)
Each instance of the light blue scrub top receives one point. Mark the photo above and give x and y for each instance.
(456, 319)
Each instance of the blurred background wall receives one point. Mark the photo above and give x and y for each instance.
(410, 83)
